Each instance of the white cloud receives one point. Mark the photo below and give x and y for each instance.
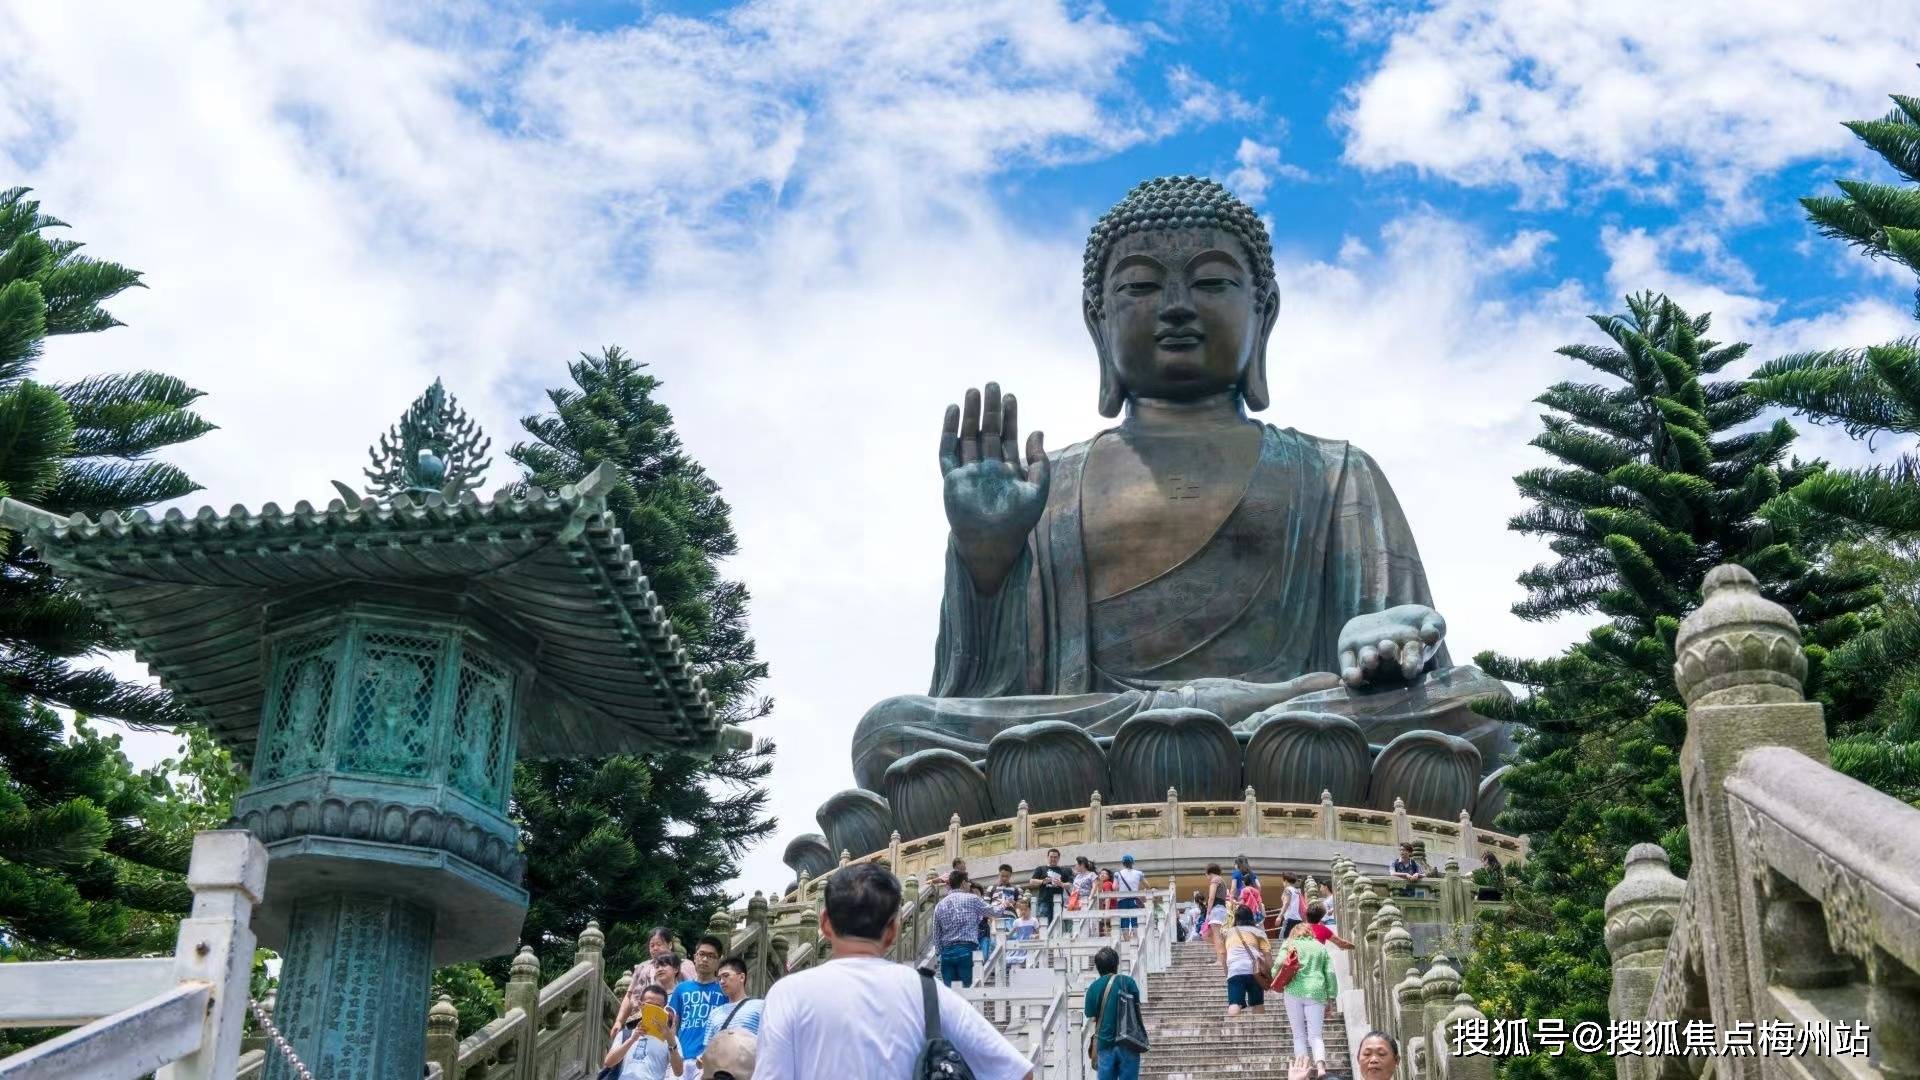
(1255, 167)
(1518, 91)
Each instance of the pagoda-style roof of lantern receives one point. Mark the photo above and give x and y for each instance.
(191, 595)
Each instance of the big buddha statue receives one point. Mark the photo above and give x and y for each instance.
(1191, 598)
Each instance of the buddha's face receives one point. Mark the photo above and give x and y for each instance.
(1182, 319)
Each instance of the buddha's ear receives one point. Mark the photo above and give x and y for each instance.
(1113, 393)
(1253, 385)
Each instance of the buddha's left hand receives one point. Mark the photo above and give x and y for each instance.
(1391, 644)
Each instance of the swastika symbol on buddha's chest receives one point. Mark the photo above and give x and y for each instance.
(1181, 487)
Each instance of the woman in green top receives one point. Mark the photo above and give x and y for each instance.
(1307, 994)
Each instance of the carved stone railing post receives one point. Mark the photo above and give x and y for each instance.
(1641, 912)
(1467, 845)
(1739, 666)
(1451, 912)
(591, 948)
(523, 982)
(759, 975)
(846, 857)
(1173, 814)
(1466, 1067)
(953, 837)
(1402, 828)
(1404, 1011)
(1096, 819)
(1396, 960)
(1437, 988)
(1329, 818)
(1022, 827)
(893, 853)
(1250, 814)
(1374, 932)
(443, 1036)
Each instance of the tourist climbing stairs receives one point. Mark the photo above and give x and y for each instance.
(1185, 1009)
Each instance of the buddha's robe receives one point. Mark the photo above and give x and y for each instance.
(1316, 538)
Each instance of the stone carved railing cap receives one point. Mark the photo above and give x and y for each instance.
(1738, 647)
(1641, 909)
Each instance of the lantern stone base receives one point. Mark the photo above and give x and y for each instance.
(478, 915)
(353, 989)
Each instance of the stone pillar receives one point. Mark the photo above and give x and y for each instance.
(1096, 819)
(353, 987)
(1173, 814)
(1022, 828)
(1402, 828)
(761, 934)
(1641, 912)
(1366, 905)
(443, 1035)
(1329, 817)
(893, 852)
(1250, 827)
(1468, 847)
(1451, 913)
(1739, 666)
(523, 983)
(591, 948)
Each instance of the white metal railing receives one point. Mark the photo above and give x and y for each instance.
(181, 1016)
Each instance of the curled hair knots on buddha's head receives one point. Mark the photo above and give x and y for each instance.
(1177, 202)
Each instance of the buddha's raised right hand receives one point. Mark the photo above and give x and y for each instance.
(993, 501)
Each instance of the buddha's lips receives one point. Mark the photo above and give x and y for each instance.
(1179, 341)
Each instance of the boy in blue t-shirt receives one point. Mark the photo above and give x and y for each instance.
(692, 1001)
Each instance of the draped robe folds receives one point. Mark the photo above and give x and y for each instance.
(1316, 538)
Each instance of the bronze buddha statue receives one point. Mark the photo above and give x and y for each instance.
(1190, 558)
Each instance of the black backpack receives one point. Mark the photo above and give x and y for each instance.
(939, 1060)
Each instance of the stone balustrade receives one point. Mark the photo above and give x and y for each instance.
(1803, 905)
(1268, 832)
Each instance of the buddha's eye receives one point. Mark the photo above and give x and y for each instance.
(1136, 288)
(1215, 284)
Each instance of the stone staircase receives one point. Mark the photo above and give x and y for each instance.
(1185, 1012)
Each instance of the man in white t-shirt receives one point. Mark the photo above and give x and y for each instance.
(860, 1014)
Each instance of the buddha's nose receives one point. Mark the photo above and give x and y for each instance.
(1176, 306)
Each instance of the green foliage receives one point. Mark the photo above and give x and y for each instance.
(83, 445)
(476, 996)
(642, 841)
(92, 853)
(1654, 487)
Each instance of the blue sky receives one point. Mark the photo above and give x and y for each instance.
(822, 220)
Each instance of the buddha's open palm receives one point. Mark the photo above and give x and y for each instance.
(1391, 644)
(993, 501)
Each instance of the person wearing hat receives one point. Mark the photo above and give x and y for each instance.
(729, 1055)
(1129, 880)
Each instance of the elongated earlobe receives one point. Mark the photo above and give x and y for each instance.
(1253, 385)
(1113, 392)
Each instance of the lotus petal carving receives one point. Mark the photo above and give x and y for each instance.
(855, 821)
(1435, 774)
(1492, 798)
(927, 787)
(808, 855)
(1051, 764)
(1190, 750)
(1295, 755)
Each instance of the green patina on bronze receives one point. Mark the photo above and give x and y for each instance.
(380, 663)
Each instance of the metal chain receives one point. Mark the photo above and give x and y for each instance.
(279, 1041)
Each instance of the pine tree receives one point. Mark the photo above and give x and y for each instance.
(1872, 393)
(91, 862)
(1659, 481)
(639, 841)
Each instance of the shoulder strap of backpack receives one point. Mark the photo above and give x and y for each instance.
(930, 1004)
(736, 1012)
